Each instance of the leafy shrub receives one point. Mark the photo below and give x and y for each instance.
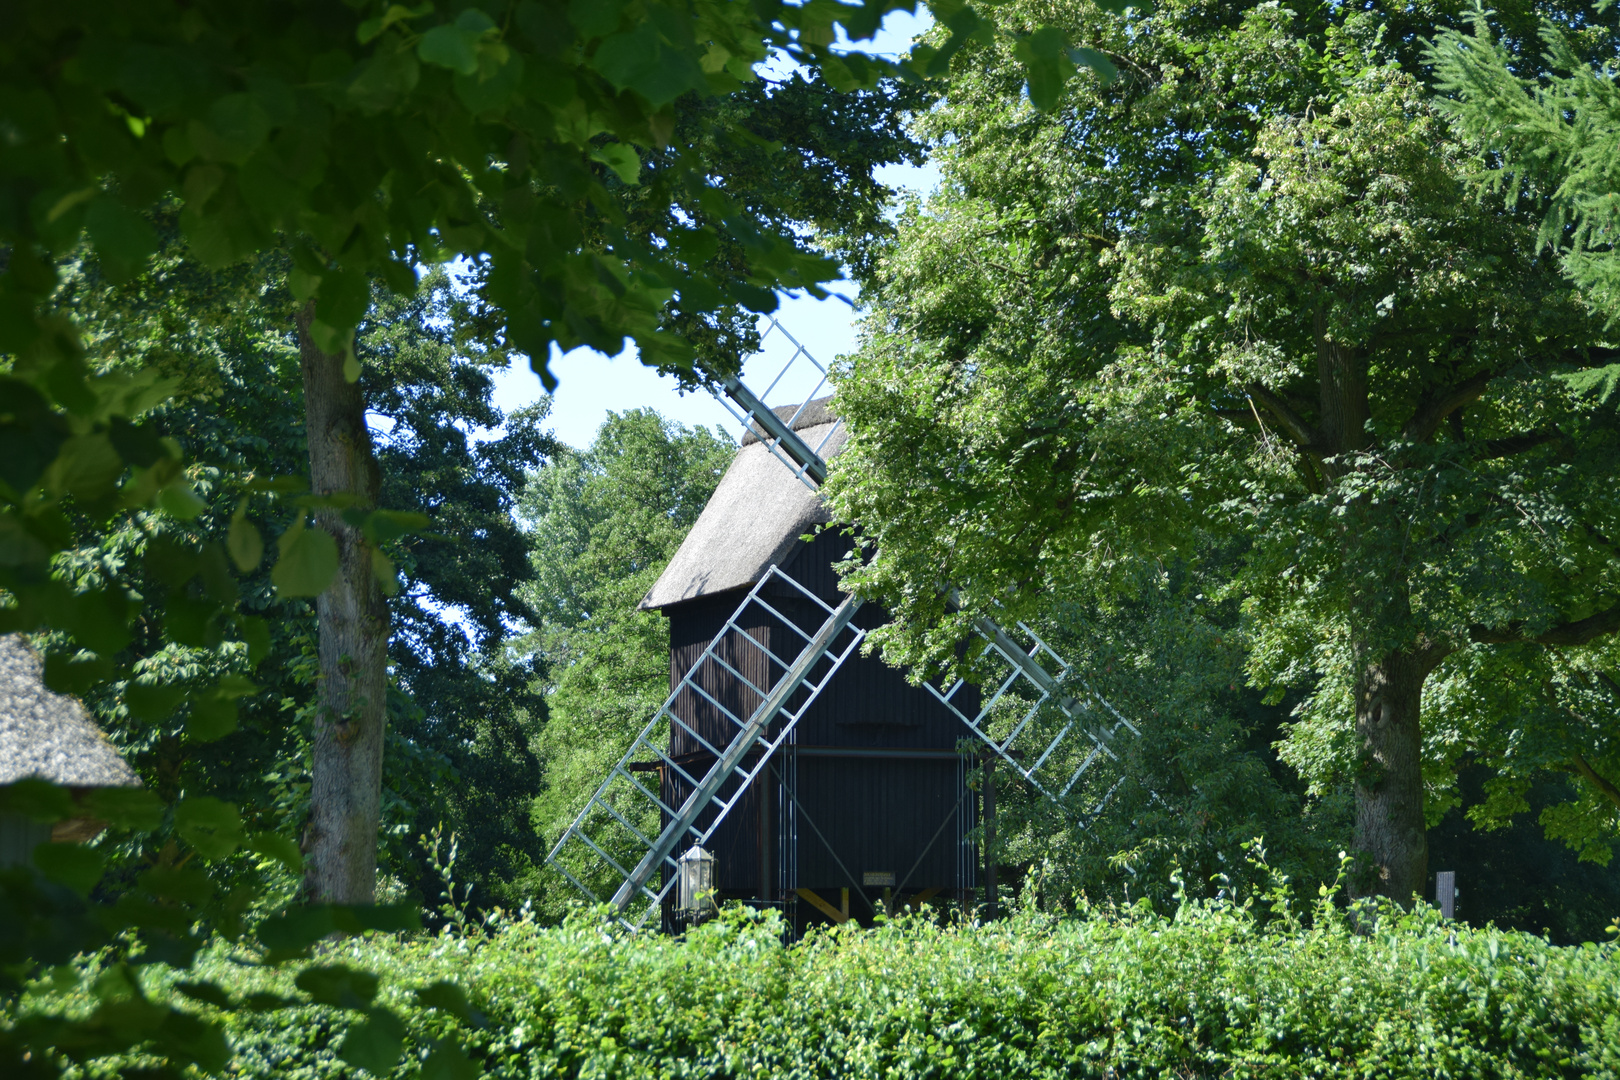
(1215, 989)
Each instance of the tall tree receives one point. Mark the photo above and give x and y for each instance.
(456, 712)
(1245, 287)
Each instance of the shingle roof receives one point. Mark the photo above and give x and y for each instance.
(47, 735)
(754, 519)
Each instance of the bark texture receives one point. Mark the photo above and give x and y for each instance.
(1390, 825)
(340, 844)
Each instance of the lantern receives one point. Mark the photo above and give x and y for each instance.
(695, 876)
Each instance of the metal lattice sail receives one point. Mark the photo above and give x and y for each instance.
(1040, 719)
(628, 833)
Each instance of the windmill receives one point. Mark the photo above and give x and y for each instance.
(737, 702)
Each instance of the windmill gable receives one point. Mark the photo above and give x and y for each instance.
(755, 518)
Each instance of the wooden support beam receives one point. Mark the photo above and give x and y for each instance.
(916, 902)
(839, 917)
(844, 903)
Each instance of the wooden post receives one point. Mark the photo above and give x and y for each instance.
(1445, 893)
(843, 904)
(767, 833)
(990, 899)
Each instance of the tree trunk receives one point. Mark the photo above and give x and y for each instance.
(1341, 376)
(346, 786)
(1390, 826)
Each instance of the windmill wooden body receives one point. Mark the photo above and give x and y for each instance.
(758, 703)
(866, 799)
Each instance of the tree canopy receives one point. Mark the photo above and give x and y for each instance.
(1245, 287)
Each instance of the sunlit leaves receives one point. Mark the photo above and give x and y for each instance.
(308, 560)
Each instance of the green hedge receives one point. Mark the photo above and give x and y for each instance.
(1209, 992)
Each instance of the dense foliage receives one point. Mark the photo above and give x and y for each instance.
(1551, 135)
(1244, 289)
(457, 749)
(602, 523)
(1212, 989)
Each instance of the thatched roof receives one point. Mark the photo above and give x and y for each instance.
(47, 735)
(754, 519)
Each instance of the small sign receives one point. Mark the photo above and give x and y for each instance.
(1445, 893)
(878, 878)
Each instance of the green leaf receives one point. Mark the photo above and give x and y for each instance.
(123, 238)
(372, 28)
(179, 501)
(595, 18)
(1096, 61)
(448, 1061)
(282, 849)
(137, 444)
(381, 526)
(450, 47)
(87, 467)
(36, 799)
(255, 633)
(489, 90)
(755, 298)
(343, 298)
(187, 885)
(292, 932)
(390, 74)
(622, 159)
(74, 865)
(132, 808)
(75, 677)
(302, 284)
(338, 985)
(210, 825)
(212, 717)
(243, 541)
(206, 992)
(627, 56)
(375, 1043)
(1045, 55)
(236, 126)
(153, 701)
(308, 561)
(448, 997)
(191, 1038)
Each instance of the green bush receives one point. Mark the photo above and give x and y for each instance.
(1215, 989)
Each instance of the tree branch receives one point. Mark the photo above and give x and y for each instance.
(1518, 444)
(1579, 632)
(1292, 424)
(1432, 412)
(1591, 357)
(1605, 787)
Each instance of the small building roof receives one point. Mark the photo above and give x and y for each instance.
(754, 519)
(48, 735)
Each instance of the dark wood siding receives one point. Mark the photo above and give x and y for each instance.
(873, 761)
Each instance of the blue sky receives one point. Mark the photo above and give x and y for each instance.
(590, 384)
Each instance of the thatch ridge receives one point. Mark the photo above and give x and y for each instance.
(755, 517)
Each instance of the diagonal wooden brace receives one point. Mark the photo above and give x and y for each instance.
(709, 787)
